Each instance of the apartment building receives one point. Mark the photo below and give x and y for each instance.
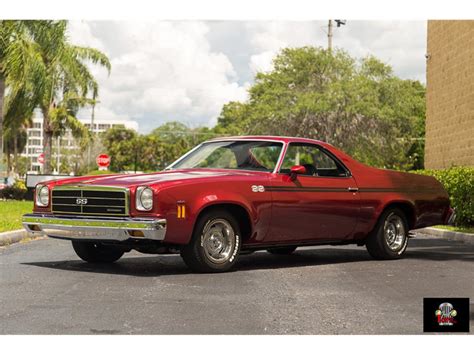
(34, 144)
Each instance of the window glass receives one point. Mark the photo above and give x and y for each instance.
(245, 155)
(315, 160)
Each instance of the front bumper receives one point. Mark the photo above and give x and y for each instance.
(92, 228)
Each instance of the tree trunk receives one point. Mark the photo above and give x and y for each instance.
(9, 163)
(47, 142)
(2, 94)
(15, 152)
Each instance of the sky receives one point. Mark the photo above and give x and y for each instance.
(187, 70)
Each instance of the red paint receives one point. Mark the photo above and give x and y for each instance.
(103, 160)
(308, 209)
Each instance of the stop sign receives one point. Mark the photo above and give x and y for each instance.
(103, 160)
(41, 158)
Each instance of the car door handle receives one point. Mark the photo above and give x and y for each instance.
(352, 189)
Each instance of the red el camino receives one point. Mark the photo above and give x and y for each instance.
(234, 195)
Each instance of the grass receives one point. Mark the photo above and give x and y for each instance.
(457, 229)
(11, 212)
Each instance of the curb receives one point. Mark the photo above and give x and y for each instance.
(445, 234)
(15, 236)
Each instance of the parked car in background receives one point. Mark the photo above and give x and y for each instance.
(239, 194)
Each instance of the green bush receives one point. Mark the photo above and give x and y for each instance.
(15, 192)
(459, 182)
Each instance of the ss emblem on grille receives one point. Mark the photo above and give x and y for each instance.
(81, 201)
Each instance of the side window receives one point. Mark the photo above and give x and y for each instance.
(315, 160)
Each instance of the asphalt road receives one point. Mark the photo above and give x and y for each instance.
(46, 289)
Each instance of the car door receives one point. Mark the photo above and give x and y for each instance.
(322, 204)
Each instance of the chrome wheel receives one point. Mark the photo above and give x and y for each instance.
(218, 240)
(394, 232)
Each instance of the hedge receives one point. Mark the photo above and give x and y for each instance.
(15, 192)
(459, 182)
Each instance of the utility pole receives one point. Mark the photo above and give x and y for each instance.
(339, 23)
(330, 35)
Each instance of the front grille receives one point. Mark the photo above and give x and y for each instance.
(90, 201)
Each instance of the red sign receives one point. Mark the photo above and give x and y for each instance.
(103, 160)
(41, 158)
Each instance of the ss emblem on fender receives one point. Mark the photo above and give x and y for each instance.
(258, 188)
(81, 201)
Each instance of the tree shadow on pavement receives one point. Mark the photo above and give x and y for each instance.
(422, 249)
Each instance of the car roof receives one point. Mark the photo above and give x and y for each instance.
(269, 138)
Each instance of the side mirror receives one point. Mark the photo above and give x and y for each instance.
(295, 170)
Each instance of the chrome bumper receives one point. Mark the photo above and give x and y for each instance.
(79, 227)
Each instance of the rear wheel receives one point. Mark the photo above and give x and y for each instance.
(281, 250)
(389, 238)
(215, 244)
(94, 252)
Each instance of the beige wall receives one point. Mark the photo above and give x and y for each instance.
(450, 94)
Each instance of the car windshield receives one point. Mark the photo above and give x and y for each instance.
(244, 155)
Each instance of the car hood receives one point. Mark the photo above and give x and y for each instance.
(132, 180)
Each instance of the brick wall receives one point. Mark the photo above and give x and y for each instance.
(450, 94)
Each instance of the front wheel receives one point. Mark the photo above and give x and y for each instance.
(215, 244)
(389, 238)
(93, 252)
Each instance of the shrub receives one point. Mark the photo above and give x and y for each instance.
(16, 191)
(459, 182)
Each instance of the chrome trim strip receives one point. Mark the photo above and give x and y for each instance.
(115, 229)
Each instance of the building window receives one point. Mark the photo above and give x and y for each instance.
(35, 133)
(104, 126)
(37, 125)
(35, 142)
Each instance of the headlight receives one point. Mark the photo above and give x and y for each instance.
(144, 198)
(42, 196)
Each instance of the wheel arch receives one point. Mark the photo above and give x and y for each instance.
(236, 209)
(406, 207)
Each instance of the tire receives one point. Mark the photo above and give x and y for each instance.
(93, 252)
(389, 238)
(215, 244)
(281, 250)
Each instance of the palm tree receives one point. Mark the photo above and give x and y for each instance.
(62, 80)
(58, 80)
(16, 59)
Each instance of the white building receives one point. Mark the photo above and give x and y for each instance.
(34, 143)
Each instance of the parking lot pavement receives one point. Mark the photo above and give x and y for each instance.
(46, 289)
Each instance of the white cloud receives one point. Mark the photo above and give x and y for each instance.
(162, 69)
(262, 62)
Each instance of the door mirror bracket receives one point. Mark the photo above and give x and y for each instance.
(296, 170)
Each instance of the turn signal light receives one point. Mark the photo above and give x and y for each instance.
(136, 234)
